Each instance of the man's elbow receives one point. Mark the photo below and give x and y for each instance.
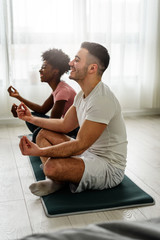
(67, 129)
(79, 152)
(82, 149)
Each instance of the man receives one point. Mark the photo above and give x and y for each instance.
(96, 159)
(55, 64)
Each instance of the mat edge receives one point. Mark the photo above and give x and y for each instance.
(94, 211)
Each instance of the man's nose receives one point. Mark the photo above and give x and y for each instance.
(71, 63)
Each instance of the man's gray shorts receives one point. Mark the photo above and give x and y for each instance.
(98, 174)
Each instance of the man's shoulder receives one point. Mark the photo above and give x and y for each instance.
(101, 91)
(79, 95)
(105, 91)
(78, 98)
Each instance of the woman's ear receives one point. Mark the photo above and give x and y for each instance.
(56, 72)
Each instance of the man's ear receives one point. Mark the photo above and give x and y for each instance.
(93, 68)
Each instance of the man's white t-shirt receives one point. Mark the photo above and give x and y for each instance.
(102, 106)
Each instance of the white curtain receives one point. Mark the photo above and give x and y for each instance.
(128, 28)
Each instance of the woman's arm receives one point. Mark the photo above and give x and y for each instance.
(44, 108)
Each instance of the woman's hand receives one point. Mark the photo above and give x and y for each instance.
(13, 92)
(14, 110)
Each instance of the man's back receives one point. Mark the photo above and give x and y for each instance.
(102, 106)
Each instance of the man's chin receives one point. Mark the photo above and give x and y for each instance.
(70, 77)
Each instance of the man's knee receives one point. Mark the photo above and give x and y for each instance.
(41, 135)
(53, 169)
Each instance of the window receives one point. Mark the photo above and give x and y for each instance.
(126, 27)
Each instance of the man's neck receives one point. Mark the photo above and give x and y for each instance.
(87, 85)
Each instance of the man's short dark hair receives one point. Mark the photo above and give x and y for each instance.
(100, 52)
(57, 59)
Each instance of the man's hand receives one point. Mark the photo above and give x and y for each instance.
(28, 148)
(23, 112)
(14, 110)
(13, 92)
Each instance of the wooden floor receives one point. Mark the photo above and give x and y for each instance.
(21, 213)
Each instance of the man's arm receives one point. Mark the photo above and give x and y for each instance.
(88, 134)
(67, 124)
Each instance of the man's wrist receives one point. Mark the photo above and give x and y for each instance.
(29, 119)
(46, 152)
(41, 152)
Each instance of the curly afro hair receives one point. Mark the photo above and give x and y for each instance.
(57, 59)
